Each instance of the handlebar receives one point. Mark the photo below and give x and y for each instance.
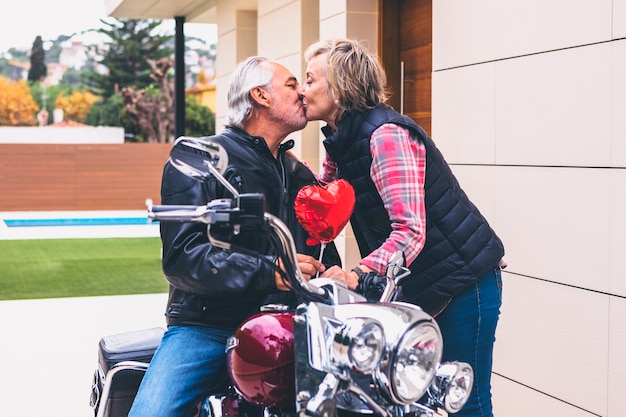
(201, 159)
(208, 214)
(249, 214)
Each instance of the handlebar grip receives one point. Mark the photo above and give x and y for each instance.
(162, 208)
(180, 213)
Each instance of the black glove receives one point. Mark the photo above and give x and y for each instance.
(371, 285)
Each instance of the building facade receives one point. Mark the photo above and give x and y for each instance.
(527, 101)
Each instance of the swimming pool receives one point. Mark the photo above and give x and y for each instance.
(76, 224)
(95, 221)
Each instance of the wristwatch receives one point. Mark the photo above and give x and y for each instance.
(359, 272)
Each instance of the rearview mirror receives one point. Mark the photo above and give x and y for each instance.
(200, 159)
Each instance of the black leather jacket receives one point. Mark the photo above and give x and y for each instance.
(211, 286)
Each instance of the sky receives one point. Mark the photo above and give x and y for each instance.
(22, 21)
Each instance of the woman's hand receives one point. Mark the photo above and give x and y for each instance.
(308, 265)
(349, 278)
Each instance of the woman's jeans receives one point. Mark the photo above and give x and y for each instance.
(188, 364)
(468, 325)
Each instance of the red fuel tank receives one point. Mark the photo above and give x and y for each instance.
(261, 364)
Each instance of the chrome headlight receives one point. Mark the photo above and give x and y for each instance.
(359, 344)
(414, 362)
(453, 385)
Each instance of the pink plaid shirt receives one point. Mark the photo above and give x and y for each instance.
(398, 171)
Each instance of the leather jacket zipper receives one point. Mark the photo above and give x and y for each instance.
(283, 179)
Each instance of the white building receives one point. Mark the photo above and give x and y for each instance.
(73, 55)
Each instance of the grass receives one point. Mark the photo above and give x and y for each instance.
(52, 268)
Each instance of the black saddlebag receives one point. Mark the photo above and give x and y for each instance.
(122, 361)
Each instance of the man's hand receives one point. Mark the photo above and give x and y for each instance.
(308, 265)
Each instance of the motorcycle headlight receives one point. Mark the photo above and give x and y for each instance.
(414, 362)
(454, 384)
(359, 344)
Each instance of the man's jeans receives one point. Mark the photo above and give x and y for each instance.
(188, 364)
(468, 325)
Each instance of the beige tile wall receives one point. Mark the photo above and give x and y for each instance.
(617, 256)
(279, 31)
(522, 402)
(539, 89)
(550, 336)
(617, 364)
(464, 112)
(485, 30)
(618, 99)
(554, 108)
(619, 19)
(237, 39)
(555, 223)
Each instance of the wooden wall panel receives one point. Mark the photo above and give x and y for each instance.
(80, 177)
(416, 53)
(406, 37)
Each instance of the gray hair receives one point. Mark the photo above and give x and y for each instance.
(253, 72)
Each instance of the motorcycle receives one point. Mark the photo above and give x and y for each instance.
(335, 354)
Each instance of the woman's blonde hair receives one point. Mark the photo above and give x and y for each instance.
(356, 79)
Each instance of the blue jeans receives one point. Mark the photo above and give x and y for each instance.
(188, 364)
(468, 325)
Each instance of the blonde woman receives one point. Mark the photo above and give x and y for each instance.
(408, 199)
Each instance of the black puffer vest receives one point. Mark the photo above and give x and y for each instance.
(460, 245)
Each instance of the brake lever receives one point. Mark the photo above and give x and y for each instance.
(395, 272)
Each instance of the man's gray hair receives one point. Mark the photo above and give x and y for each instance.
(253, 72)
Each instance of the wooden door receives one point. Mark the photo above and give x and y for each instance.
(406, 52)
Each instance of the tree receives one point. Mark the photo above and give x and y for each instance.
(111, 112)
(132, 43)
(45, 95)
(38, 69)
(76, 107)
(5, 67)
(150, 109)
(18, 54)
(138, 60)
(17, 106)
(56, 46)
(72, 77)
(199, 119)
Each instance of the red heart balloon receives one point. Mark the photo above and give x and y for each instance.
(324, 211)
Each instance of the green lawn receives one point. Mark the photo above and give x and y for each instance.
(51, 268)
